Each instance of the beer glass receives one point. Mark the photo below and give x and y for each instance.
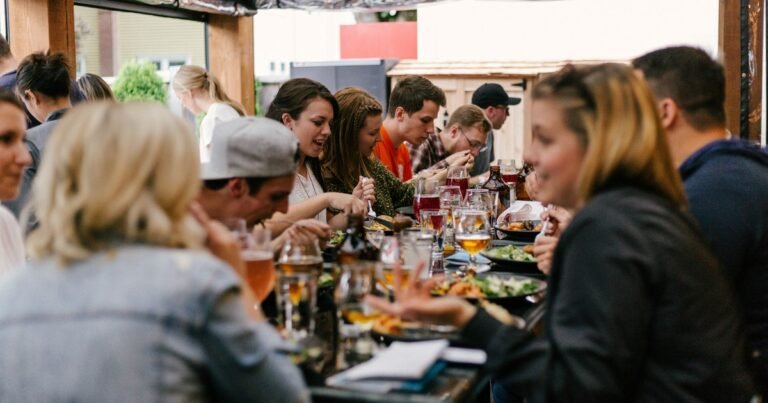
(258, 258)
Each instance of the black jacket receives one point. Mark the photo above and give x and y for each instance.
(638, 312)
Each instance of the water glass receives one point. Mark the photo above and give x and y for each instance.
(355, 318)
(300, 264)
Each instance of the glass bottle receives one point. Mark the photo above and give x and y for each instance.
(495, 183)
(356, 246)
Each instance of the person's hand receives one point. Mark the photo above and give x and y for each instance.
(470, 163)
(543, 250)
(226, 247)
(310, 229)
(347, 203)
(458, 159)
(414, 301)
(558, 217)
(365, 189)
(532, 185)
(220, 242)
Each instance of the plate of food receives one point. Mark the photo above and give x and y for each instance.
(505, 289)
(522, 231)
(387, 328)
(512, 256)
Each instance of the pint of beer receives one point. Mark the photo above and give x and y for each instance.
(259, 272)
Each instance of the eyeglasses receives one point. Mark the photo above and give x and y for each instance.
(473, 145)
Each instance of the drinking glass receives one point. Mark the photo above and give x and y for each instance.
(238, 228)
(434, 222)
(509, 172)
(390, 255)
(258, 257)
(300, 264)
(425, 197)
(472, 233)
(458, 176)
(355, 317)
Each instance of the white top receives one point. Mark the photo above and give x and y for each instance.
(217, 113)
(11, 242)
(306, 187)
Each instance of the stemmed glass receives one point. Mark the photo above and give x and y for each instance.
(300, 264)
(458, 176)
(472, 233)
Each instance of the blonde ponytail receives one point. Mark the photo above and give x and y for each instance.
(191, 77)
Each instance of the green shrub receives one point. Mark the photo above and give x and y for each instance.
(139, 82)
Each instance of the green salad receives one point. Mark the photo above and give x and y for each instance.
(336, 239)
(486, 287)
(510, 252)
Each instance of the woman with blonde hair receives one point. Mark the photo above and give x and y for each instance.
(122, 288)
(200, 92)
(348, 152)
(637, 308)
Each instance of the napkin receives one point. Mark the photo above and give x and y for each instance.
(462, 258)
(389, 369)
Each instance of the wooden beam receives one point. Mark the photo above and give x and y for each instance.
(741, 39)
(729, 38)
(230, 53)
(42, 25)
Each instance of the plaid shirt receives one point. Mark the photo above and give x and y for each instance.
(429, 155)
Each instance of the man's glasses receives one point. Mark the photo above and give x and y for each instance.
(473, 145)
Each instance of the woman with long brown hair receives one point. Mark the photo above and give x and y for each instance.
(348, 153)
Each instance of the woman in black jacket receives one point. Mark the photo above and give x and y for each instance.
(637, 308)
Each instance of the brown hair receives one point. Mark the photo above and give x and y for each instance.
(468, 116)
(341, 154)
(193, 77)
(94, 87)
(691, 78)
(615, 117)
(295, 95)
(411, 92)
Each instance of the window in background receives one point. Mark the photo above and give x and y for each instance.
(108, 40)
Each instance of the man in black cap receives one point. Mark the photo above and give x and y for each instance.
(494, 102)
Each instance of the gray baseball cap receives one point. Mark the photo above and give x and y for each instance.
(251, 147)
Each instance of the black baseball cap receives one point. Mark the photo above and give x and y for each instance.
(491, 94)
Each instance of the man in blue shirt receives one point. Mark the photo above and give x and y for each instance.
(726, 180)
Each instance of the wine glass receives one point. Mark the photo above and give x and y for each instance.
(300, 264)
(458, 176)
(259, 268)
(472, 233)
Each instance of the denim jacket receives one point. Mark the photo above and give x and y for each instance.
(136, 324)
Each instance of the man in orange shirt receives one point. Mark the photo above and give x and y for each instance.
(413, 107)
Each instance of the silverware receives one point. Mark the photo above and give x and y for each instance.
(371, 213)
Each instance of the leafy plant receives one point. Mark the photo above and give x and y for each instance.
(140, 82)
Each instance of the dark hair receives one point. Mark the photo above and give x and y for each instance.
(411, 92)
(295, 95)
(254, 184)
(94, 87)
(47, 74)
(691, 78)
(5, 48)
(341, 154)
(7, 97)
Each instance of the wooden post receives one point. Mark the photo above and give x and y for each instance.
(741, 39)
(42, 25)
(230, 53)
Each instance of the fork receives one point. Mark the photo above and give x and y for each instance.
(371, 213)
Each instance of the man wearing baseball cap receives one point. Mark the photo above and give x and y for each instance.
(494, 102)
(250, 173)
